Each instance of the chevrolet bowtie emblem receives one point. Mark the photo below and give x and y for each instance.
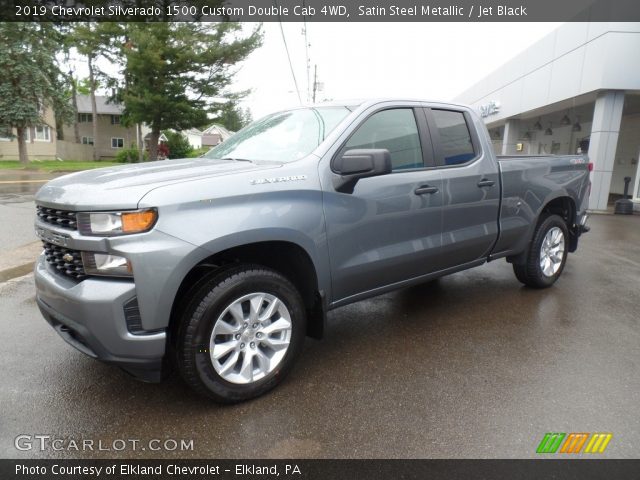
(67, 257)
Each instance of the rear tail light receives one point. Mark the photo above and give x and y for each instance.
(590, 166)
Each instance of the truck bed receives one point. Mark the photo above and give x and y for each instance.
(531, 181)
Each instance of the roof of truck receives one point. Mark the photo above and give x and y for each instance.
(372, 101)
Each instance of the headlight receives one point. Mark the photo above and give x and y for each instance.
(105, 264)
(116, 223)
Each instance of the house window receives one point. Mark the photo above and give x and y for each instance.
(42, 133)
(87, 140)
(5, 134)
(85, 118)
(117, 143)
(115, 119)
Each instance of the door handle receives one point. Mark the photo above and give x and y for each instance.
(425, 189)
(485, 182)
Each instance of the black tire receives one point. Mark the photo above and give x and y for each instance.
(530, 272)
(203, 308)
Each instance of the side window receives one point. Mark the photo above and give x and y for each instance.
(395, 130)
(456, 145)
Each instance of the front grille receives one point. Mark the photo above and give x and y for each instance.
(59, 218)
(70, 266)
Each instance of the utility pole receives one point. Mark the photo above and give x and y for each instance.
(315, 81)
(306, 51)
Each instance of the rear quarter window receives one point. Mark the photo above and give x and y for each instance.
(456, 145)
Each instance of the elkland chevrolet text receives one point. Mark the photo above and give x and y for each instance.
(222, 265)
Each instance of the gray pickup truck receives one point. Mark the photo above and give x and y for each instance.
(222, 265)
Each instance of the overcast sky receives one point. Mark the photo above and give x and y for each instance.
(433, 61)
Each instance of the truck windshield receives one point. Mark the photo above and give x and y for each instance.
(283, 136)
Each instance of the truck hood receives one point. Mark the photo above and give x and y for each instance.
(123, 186)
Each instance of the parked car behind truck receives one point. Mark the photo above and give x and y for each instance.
(222, 265)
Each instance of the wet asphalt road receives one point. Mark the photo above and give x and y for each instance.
(473, 365)
(17, 209)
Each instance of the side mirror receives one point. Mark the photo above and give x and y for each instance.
(353, 165)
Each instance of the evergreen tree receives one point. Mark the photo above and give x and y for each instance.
(173, 71)
(233, 117)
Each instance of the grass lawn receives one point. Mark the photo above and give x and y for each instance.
(54, 165)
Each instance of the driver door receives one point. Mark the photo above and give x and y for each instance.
(389, 229)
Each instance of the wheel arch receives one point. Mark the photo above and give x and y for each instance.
(565, 207)
(560, 203)
(286, 257)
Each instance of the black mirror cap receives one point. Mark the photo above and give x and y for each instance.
(355, 164)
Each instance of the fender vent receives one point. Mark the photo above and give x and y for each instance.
(132, 316)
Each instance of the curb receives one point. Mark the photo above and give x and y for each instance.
(15, 272)
(19, 261)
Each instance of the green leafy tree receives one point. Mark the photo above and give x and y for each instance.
(83, 86)
(173, 71)
(30, 78)
(178, 144)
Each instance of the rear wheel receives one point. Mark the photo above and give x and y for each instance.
(240, 333)
(547, 254)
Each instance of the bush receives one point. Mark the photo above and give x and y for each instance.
(178, 144)
(196, 153)
(130, 155)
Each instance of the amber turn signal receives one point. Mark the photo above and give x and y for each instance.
(134, 222)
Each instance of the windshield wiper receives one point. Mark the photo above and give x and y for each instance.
(236, 159)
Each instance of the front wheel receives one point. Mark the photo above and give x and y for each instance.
(547, 254)
(240, 333)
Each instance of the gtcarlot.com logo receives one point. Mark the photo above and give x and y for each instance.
(574, 443)
(26, 442)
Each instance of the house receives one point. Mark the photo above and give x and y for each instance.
(161, 139)
(215, 135)
(44, 143)
(194, 136)
(41, 140)
(112, 135)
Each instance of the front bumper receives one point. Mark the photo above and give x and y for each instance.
(90, 316)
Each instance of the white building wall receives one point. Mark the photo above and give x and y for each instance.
(576, 59)
(575, 65)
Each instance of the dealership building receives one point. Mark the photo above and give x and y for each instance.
(576, 90)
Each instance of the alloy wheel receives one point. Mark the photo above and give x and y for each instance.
(250, 338)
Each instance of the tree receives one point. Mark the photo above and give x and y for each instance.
(178, 144)
(233, 117)
(30, 78)
(173, 71)
(93, 40)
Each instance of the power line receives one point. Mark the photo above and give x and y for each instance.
(295, 82)
(306, 51)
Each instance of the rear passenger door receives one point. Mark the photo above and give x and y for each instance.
(388, 229)
(471, 190)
